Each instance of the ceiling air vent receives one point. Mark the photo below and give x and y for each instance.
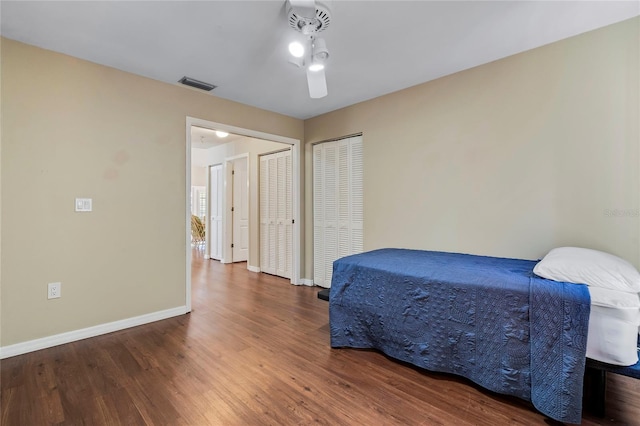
(187, 81)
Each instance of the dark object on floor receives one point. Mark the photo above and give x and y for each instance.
(596, 373)
(324, 294)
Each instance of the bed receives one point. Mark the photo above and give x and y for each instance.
(613, 327)
(491, 320)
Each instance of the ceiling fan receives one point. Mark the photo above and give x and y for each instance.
(310, 18)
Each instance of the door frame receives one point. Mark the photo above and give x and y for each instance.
(296, 149)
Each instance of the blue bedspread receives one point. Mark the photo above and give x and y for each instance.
(485, 318)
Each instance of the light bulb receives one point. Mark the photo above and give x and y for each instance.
(296, 49)
(221, 134)
(316, 67)
(320, 51)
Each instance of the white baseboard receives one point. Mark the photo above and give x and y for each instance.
(306, 281)
(84, 333)
(253, 268)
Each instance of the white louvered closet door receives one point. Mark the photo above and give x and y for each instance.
(318, 215)
(264, 216)
(276, 213)
(284, 227)
(337, 204)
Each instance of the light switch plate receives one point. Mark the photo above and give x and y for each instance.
(83, 204)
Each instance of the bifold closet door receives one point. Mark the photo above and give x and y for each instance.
(276, 214)
(337, 204)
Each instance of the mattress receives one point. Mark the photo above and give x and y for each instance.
(613, 327)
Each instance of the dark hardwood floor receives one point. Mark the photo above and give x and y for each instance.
(255, 350)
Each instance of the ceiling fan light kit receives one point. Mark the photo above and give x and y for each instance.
(296, 49)
(320, 51)
(309, 18)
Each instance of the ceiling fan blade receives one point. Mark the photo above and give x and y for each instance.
(304, 8)
(317, 84)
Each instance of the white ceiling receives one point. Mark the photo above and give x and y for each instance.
(204, 138)
(376, 47)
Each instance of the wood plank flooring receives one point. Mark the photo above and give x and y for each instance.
(254, 351)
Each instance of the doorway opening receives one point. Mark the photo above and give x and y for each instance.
(239, 171)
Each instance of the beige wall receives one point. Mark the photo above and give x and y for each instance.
(253, 147)
(199, 163)
(510, 159)
(70, 129)
(198, 176)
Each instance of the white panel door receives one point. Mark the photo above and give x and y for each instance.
(240, 210)
(276, 214)
(337, 204)
(216, 185)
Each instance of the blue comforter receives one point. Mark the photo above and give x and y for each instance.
(485, 318)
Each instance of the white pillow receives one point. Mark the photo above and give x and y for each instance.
(591, 267)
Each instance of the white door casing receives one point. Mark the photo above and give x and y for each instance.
(296, 146)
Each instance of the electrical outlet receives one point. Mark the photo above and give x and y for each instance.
(84, 204)
(54, 290)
